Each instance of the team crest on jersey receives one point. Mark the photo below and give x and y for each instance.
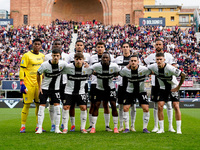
(140, 73)
(26, 98)
(166, 74)
(111, 70)
(83, 72)
(22, 61)
(60, 68)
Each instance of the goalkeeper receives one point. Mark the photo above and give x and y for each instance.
(30, 63)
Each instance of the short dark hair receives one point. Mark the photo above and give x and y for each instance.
(80, 41)
(101, 43)
(79, 55)
(125, 43)
(160, 55)
(55, 50)
(135, 55)
(56, 40)
(158, 39)
(37, 40)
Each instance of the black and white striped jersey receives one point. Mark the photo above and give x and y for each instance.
(166, 76)
(135, 78)
(95, 59)
(52, 74)
(76, 79)
(86, 56)
(151, 59)
(105, 75)
(64, 57)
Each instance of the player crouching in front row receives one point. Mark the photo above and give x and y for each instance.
(50, 87)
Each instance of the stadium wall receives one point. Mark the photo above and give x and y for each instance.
(44, 11)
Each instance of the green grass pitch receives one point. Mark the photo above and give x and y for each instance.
(10, 138)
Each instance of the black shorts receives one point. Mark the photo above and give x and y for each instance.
(62, 91)
(121, 94)
(109, 95)
(168, 96)
(93, 92)
(54, 97)
(130, 99)
(73, 99)
(154, 93)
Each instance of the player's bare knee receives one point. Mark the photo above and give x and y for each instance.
(66, 107)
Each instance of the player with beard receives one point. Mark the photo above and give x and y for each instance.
(122, 61)
(169, 88)
(151, 59)
(135, 90)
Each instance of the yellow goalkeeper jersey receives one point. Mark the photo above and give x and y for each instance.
(30, 63)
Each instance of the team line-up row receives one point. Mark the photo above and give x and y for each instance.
(65, 77)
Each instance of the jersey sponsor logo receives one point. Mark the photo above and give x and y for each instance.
(36, 64)
(14, 85)
(78, 72)
(177, 71)
(22, 61)
(105, 71)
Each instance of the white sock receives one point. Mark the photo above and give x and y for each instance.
(72, 119)
(90, 119)
(65, 118)
(133, 115)
(146, 116)
(51, 114)
(115, 121)
(155, 114)
(83, 119)
(126, 119)
(107, 119)
(161, 123)
(94, 121)
(178, 125)
(41, 116)
(57, 116)
(62, 115)
(23, 125)
(170, 114)
(121, 114)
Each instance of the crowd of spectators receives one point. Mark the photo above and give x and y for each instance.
(180, 42)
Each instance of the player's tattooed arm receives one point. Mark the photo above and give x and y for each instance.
(180, 83)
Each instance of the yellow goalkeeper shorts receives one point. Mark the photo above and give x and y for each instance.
(31, 95)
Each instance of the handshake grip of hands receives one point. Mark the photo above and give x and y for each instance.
(23, 88)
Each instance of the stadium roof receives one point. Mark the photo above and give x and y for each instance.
(162, 6)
